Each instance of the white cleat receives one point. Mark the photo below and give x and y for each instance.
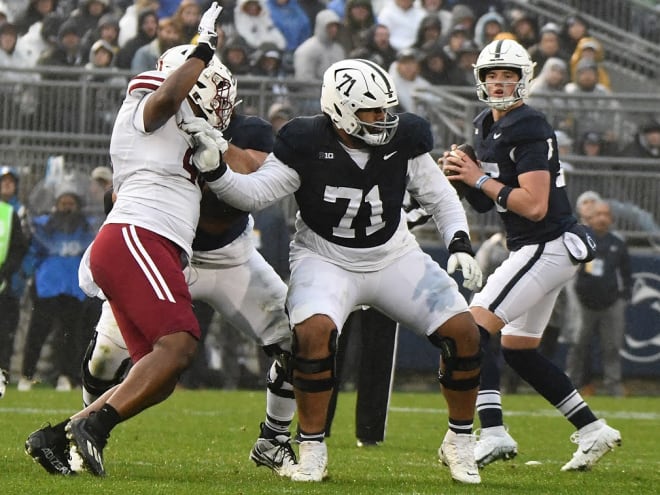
(4, 380)
(457, 452)
(312, 462)
(494, 443)
(594, 441)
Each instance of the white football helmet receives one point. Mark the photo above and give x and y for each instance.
(354, 84)
(215, 90)
(501, 54)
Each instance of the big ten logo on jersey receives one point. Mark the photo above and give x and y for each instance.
(326, 155)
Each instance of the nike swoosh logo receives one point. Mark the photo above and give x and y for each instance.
(497, 135)
(389, 155)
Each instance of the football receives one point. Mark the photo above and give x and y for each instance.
(461, 187)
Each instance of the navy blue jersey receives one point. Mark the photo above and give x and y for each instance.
(347, 205)
(523, 141)
(245, 132)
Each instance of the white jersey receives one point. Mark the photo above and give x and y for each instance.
(153, 175)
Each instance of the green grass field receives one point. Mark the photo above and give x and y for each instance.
(197, 443)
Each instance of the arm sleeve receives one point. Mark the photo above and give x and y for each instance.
(273, 181)
(434, 193)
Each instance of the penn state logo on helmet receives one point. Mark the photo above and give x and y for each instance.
(215, 89)
(504, 54)
(354, 84)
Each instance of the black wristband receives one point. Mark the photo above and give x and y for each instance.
(215, 174)
(503, 196)
(203, 52)
(460, 243)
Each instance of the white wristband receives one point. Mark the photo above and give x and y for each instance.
(481, 180)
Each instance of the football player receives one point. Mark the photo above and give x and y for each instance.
(222, 272)
(519, 173)
(349, 169)
(138, 256)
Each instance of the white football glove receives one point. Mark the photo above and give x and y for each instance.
(207, 155)
(195, 125)
(206, 28)
(472, 276)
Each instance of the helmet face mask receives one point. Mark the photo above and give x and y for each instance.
(356, 84)
(215, 90)
(504, 55)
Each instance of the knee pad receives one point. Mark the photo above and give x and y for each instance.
(105, 364)
(314, 366)
(453, 362)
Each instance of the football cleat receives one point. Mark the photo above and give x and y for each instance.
(86, 446)
(594, 441)
(312, 463)
(457, 452)
(275, 453)
(50, 449)
(361, 442)
(494, 443)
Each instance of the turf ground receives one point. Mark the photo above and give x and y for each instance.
(197, 442)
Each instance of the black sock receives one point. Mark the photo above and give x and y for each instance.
(552, 383)
(104, 420)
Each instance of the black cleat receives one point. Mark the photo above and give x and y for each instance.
(50, 449)
(84, 444)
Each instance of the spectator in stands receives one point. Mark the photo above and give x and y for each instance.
(58, 242)
(488, 26)
(5, 14)
(524, 27)
(9, 57)
(358, 18)
(547, 46)
(429, 30)
(402, 17)
(235, 54)
(321, 50)
(463, 15)
(458, 35)
(13, 246)
(589, 48)
(107, 30)
(436, 68)
(574, 29)
(255, 25)
(89, 12)
(591, 144)
(585, 203)
(186, 19)
(66, 53)
(36, 11)
(146, 56)
(407, 80)
(292, 21)
(147, 31)
(600, 115)
(551, 83)
(647, 141)
(130, 20)
(377, 47)
(466, 58)
(267, 62)
(41, 37)
(437, 8)
(604, 288)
